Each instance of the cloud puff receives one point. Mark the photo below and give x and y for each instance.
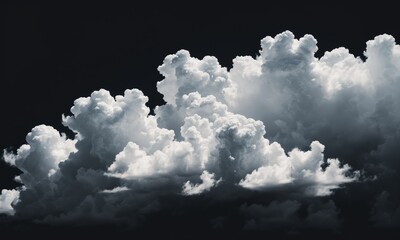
(7, 199)
(261, 126)
(39, 158)
(207, 182)
(184, 74)
(303, 167)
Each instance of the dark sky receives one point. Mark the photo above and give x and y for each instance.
(56, 52)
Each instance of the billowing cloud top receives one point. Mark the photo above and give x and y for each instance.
(260, 126)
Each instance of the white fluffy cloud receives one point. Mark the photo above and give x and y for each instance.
(184, 74)
(7, 199)
(302, 167)
(117, 138)
(39, 158)
(261, 125)
(207, 182)
(109, 123)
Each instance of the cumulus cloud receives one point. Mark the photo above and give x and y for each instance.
(207, 182)
(303, 167)
(119, 146)
(260, 126)
(7, 199)
(46, 148)
(338, 99)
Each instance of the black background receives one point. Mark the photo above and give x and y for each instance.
(56, 52)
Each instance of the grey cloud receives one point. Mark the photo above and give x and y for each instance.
(275, 215)
(290, 216)
(385, 212)
(283, 120)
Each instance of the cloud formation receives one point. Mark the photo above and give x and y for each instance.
(208, 182)
(7, 199)
(261, 126)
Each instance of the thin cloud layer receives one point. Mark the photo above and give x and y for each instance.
(261, 126)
